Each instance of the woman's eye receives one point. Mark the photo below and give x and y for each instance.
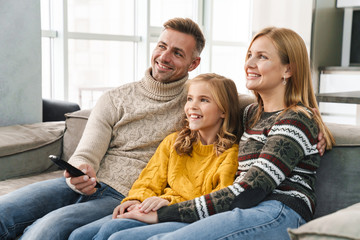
(189, 99)
(263, 57)
(204, 100)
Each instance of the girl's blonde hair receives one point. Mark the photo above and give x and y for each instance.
(292, 50)
(225, 95)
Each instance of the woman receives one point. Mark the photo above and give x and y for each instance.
(277, 156)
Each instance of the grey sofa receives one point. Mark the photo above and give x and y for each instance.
(338, 179)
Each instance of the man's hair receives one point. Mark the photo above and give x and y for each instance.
(188, 26)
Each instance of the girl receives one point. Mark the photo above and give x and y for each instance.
(199, 159)
(278, 158)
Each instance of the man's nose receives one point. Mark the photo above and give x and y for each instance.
(165, 56)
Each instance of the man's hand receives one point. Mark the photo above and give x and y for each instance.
(86, 183)
(139, 215)
(321, 146)
(321, 143)
(153, 204)
(125, 206)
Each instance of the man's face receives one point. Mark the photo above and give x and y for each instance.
(173, 57)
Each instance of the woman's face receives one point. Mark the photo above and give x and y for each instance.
(263, 68)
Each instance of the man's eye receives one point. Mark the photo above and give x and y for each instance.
(178, 54)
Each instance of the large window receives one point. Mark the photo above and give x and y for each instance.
(94, 45)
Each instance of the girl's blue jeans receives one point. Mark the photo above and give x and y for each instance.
(51, 210)
(268, 220)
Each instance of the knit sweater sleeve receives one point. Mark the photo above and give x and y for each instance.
(153, 178)
(97, 134)
(287, 142)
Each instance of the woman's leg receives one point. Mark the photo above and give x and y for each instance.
(268, 220)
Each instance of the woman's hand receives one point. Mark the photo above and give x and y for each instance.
(126, 206)
(153, 204)
(139, 215)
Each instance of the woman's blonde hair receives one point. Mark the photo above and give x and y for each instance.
(225, 96)
(292, 50)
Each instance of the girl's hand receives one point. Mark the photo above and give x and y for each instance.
(153, 204)
(126, 206)
(136, 214)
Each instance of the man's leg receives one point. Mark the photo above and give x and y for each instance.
(268, 220)
(22, 207)
(59, 223)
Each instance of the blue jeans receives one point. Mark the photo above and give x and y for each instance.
(118, 229)
(269, 220)
(51, 210)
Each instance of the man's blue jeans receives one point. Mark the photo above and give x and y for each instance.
(52, 210)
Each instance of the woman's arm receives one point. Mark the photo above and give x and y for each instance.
(289, 141)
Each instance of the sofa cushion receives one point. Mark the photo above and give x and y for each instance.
(24, 149)
(75, 124)
(343, 224)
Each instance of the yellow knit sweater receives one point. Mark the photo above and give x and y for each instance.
(179, 178)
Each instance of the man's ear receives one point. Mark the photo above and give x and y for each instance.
(194, 64)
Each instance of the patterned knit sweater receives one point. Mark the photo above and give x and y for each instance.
(178, 178)
(277, 161)
(126, 126)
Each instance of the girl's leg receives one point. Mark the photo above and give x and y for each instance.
(268, 220)
(146, 231)
(116, 225)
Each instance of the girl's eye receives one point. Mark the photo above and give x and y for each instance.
(263, 57)
(204, 100)
(249, 55)
(189, 99)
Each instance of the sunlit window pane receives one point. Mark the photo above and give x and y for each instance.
(45, 14)
(45, 68)
(229, 62)
(163, 10)
(95, 66)
(231, 23)
(101, 16)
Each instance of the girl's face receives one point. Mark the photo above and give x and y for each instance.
(263, 68)
(202, 111)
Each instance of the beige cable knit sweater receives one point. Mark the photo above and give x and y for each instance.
(126, 126)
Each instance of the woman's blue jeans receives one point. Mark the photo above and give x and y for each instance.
(268, 220)
(51, 210)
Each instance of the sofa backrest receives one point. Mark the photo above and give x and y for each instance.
(338, 178)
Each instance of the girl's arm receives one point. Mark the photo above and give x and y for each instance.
(153, 178)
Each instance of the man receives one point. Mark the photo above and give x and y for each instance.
(123, 131)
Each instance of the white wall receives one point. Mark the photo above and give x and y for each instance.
(20, 62)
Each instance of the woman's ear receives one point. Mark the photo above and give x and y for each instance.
(288, 72)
